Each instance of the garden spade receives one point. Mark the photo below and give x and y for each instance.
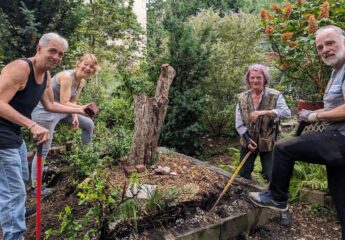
(38, 191)
(234, 174)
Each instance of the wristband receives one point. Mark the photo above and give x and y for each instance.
(33, 124)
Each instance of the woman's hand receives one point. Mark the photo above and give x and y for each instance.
(75, 122)
(252, 146)
(255, 115)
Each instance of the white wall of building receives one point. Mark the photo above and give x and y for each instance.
(139, 9)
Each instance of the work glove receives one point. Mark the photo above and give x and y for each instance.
(307, 116)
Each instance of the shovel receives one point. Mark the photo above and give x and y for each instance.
(234, 175)
(38, 191)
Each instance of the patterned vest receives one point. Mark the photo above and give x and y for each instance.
(264, 132)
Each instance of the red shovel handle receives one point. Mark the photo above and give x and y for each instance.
(38, 192)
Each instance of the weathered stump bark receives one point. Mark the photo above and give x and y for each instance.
(149, 117)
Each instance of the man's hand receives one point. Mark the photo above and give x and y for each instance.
(307, 116)
(39, 133)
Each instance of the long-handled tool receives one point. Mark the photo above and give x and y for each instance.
(234, 175)
(38, 191)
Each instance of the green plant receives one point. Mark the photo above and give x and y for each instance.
(170, 195)
(183, 128)
(117, 111)
(234, 153)
(258, 172)
(63, 133)
(29, 141)
(104, 202)
(23, 22)
(69, 227)
(320, 211)
(84, 158)
(312, 176)
(114, 142)
(289, 30)
(230, 35)
(128, 211)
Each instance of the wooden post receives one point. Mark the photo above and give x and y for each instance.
(149, 117)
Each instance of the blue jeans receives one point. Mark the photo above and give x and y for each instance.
(13, 173)
(49, 121)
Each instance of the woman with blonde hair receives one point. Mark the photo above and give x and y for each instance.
(67, 86)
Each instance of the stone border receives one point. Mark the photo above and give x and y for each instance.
(316, 197)
(228, 228)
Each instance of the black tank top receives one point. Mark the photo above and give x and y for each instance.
(24, 102)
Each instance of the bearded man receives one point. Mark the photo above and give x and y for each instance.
(327, 147)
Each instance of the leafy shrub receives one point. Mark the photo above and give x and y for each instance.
(183, 127)
(312, 176)
(290, 32)
(115, 143)
(220, 121)
(104, 205)
(63, 133)
(234, 46)
(117, 112)
(84, 158)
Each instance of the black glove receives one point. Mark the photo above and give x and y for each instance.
(247, 139)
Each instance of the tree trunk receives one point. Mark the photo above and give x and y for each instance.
(149, 117)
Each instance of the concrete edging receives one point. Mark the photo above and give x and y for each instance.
(316, 197)
(230, 227)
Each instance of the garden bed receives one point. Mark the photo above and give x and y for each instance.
(198, 185)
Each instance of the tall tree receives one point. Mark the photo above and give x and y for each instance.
(23, 22)
(175, 43)
(110, 20)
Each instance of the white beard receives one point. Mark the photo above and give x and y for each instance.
(339, 56)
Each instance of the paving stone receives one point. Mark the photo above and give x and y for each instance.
(140, 168)
(141, 191)
(129, 170)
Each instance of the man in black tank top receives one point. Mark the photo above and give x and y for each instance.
(23, 83)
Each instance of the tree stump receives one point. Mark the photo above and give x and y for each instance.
(149, 117)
